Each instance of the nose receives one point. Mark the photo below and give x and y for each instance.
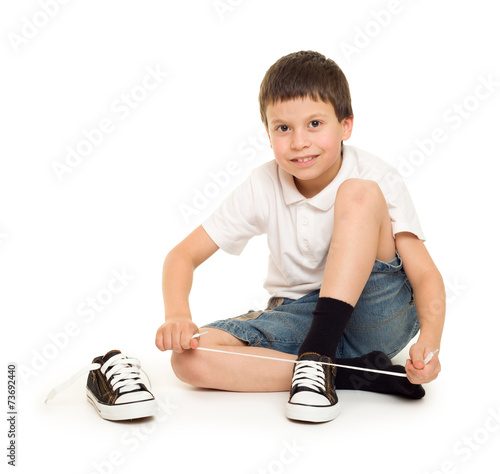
(300, 140)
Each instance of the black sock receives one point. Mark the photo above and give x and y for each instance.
(330, 318)
(351, 379)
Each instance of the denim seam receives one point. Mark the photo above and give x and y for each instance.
(413, 333)
(254, 340)
(382, 284)
(251, 338)
(408, 285)
(285, 323)
(238, 332)
(374, 326)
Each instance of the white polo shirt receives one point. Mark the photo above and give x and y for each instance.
(299, 230)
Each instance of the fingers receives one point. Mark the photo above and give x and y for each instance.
(176, 336)
(185, 339)
(418, 363)
(423, 366)
(159, 340)
(417, 356)
(423, 375)
(195, 343)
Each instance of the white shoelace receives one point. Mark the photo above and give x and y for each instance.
(124, 372)
(290, 361)
(124, 375)
(309, 374)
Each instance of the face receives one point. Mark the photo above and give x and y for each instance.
(306, 140)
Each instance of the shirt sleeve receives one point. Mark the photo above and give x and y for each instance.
(401, 208)
(237, 219)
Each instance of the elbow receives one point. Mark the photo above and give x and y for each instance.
(178, 255)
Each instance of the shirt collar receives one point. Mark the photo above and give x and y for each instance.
(326, 198)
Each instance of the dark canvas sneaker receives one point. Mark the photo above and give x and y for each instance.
(312, 395)
(115, 387)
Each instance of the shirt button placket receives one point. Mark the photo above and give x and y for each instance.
(304, 227)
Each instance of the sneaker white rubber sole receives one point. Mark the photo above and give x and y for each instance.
(311, 413)
(123, 411)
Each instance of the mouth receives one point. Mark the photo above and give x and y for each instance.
(305, 160)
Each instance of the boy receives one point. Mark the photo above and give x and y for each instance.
(340, 223)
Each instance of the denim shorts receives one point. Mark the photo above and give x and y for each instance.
(384, 318)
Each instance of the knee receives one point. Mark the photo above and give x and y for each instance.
(357, 191)
(188, 368)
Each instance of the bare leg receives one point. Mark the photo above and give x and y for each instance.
(233, 372)
(362, 232)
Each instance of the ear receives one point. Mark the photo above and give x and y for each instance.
(347, 125)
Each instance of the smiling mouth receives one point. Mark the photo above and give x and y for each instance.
(305, 160)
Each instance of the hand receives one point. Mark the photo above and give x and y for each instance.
(176, 334)
(416, 370)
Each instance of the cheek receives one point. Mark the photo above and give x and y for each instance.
(279, 146)
(330, 142)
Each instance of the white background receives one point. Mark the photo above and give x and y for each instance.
(158, 173)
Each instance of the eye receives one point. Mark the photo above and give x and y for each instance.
(315, 123)
(282, 128)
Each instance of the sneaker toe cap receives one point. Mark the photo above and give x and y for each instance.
(306, 397)
(139, 396)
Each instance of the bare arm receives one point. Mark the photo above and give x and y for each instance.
(430, 301)
(178, 270)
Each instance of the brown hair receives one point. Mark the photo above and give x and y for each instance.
(306, 74)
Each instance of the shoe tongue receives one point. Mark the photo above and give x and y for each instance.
(110, 354)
